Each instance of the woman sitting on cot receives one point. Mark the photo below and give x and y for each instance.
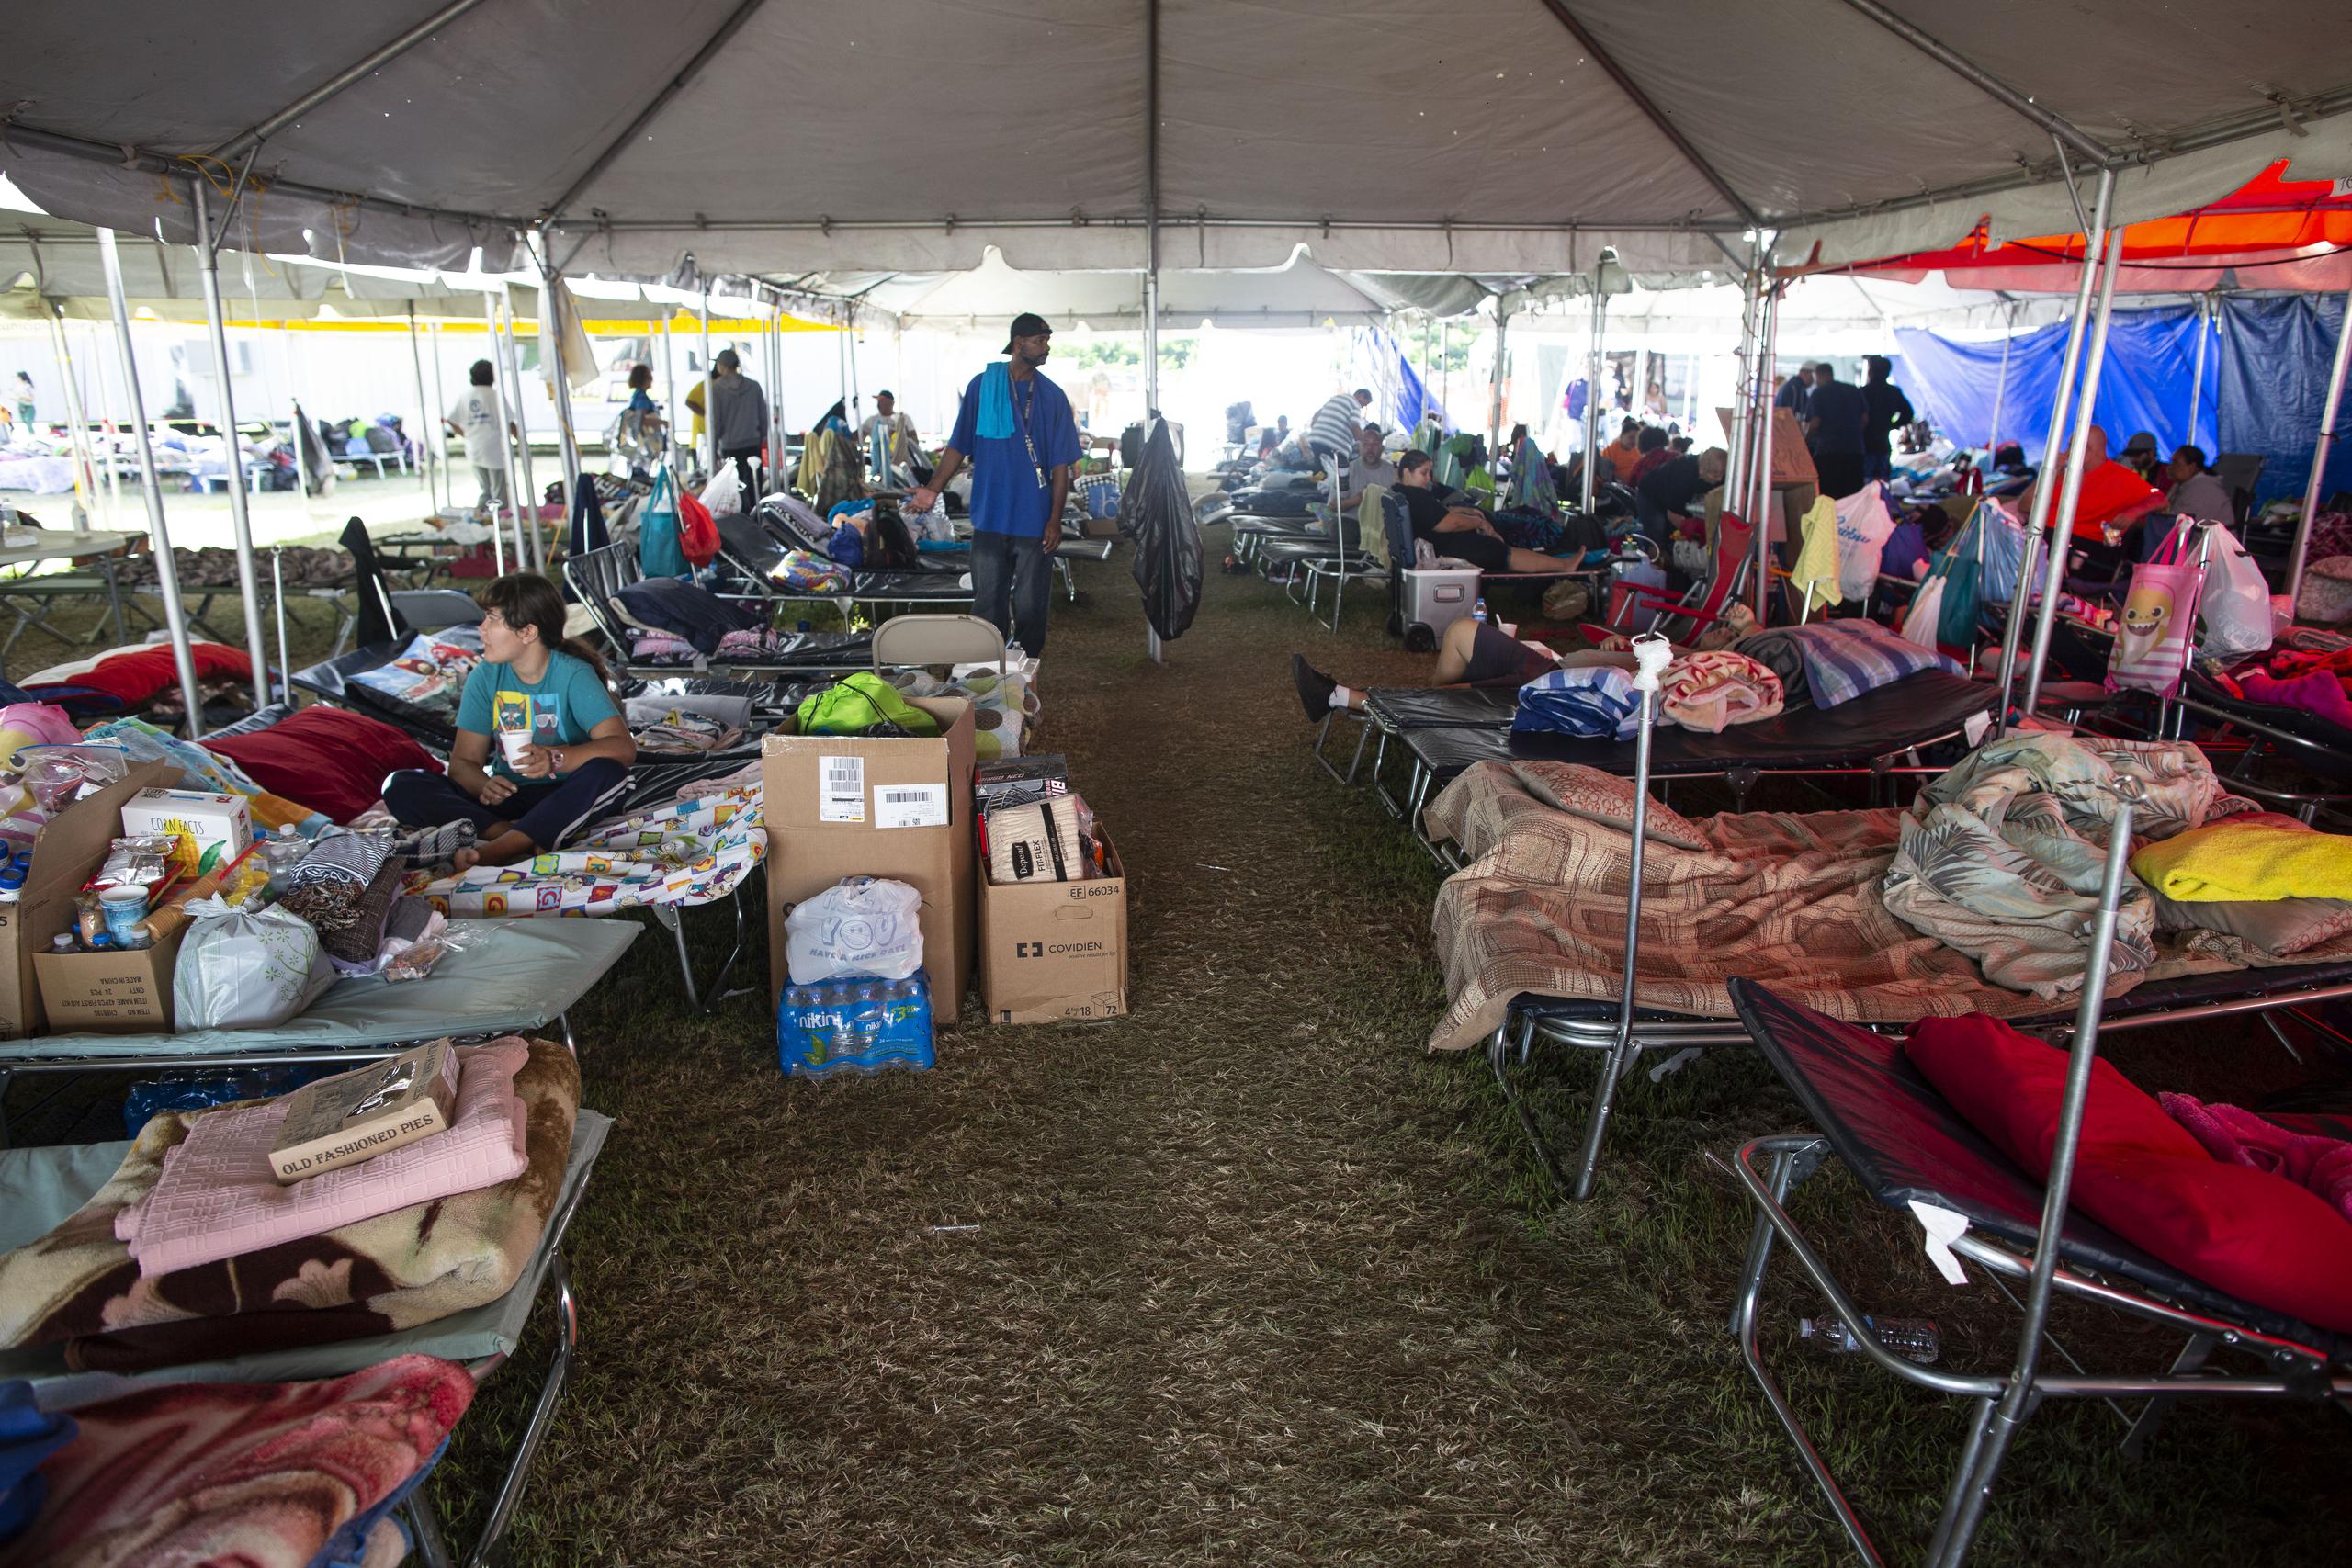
(1461, 531)
(541, 751)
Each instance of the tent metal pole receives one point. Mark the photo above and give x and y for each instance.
(2008, 96)
(159, 533)
(1592, 387)
(849, 349)
(1981, 1466)
(440, 438)
(1760, 415)
(2197, 380)
(85, 472)
(108, 426)
(526, 502)
(2038, 517)
(277, 598)
(2001, 387)
(671, 408)
(505, 442)
(425, 420)
(709, 410)
(1751, 338)
(555, 322)
(1494, 403)
(2325, 445)
(1151, 275)
(240, 521)
(2062, 526)
(1445, 373)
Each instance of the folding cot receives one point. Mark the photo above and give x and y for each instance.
(503, 978)
(598, 576)
(755, 553)
(787, 522)
(1511, 958)
(39, 1188)
(1443, 730)
(1879, 1116)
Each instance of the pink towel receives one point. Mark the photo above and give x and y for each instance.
(2240, 1137)
(217, 1198)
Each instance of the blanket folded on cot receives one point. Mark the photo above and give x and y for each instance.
(1713, 690)
(79, 1284)
(217, 1198)
(263, 1475)
(693, 851)
(2260, 855)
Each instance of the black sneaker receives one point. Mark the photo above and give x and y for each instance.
(1314, 688)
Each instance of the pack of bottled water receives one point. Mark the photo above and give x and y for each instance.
(854, 1024)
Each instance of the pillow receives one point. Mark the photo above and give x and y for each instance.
(329, 759)
(2276, 926)
(2249, 1233)
(1845, 658)
(133, 676)
(1607, 799)
(697, 614)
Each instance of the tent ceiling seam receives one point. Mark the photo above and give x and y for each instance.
(1656, 115)
(382, 55)
(662, 100)
(1992, 86)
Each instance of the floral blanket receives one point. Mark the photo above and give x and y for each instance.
(80, 1284)
(264, 1475)
(694, 851)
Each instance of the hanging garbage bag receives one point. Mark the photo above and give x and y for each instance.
(1157, 513)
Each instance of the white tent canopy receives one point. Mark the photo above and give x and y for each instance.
(1503, 137)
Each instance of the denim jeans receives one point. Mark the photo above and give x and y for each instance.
(1013, 583)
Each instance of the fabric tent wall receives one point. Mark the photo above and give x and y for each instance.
(2273, 369)
(1378, 363)
(2150, 356)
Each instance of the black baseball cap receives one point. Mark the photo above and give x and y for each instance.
(1026, 324)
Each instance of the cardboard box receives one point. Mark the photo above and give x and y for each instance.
(66, 851)
(120, 992)
(844, 805)
(1051, 950)
(213, 830)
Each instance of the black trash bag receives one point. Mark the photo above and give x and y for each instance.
(1157, 513)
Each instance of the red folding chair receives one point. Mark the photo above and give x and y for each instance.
(1631, 605)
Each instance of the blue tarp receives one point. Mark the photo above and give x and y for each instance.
(2273, 363)
(2150, 356)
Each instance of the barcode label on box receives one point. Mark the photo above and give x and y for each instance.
(840, 789)
(911, 806)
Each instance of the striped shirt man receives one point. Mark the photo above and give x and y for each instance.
(1333, 430)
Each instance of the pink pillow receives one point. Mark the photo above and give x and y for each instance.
(2249, 1233)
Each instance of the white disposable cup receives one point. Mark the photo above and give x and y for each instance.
(516, 743)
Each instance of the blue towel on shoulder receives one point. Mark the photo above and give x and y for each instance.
(995, 420)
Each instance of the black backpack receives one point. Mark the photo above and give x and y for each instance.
(889, 543)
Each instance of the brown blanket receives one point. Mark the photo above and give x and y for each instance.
(1790, 900)
(410, 1267)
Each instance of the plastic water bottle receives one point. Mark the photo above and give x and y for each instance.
(1913, 1338)
(1478, 611)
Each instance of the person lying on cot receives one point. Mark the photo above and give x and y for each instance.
(1459, 530)
(541, 751)
(1469, 653)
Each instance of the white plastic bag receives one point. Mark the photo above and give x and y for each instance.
(2237, 599)
(1863, 527)
(862, 926)
(724, 493)
(1927, 610)
(247, 968)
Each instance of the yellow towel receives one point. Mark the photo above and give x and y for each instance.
(2258, 856)
(1816, 572)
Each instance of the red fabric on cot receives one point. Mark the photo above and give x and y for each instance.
(2249, 1233)
(135, 676)
(325, 757)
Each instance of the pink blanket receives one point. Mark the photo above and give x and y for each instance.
(217, 1198)
(2313, 692)
(2240, 1137)
(260, 1475)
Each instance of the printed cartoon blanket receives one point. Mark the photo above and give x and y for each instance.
(693, 851)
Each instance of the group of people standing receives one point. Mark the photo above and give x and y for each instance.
(1848, 430)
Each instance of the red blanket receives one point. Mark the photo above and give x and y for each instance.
(134, 677)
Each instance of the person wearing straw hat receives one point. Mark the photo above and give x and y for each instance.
(1016, 429)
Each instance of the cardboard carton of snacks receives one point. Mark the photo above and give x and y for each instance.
(356, 1116)
(213, 830)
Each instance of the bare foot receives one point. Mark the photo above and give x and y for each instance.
(465, 861)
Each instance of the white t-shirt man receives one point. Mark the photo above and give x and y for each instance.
(479, 414)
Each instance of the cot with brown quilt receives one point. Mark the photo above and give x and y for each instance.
(1533, 935)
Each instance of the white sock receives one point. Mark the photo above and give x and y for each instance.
(1339, 696)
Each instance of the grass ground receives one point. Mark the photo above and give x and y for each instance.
(1255, 1279)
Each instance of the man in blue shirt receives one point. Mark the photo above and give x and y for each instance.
(1017, 430)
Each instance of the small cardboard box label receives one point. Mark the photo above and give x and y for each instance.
(911, 806)
(840, 789)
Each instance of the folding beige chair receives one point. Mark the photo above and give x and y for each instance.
(908, 641)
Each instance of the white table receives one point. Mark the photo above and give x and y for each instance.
(31, 597)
